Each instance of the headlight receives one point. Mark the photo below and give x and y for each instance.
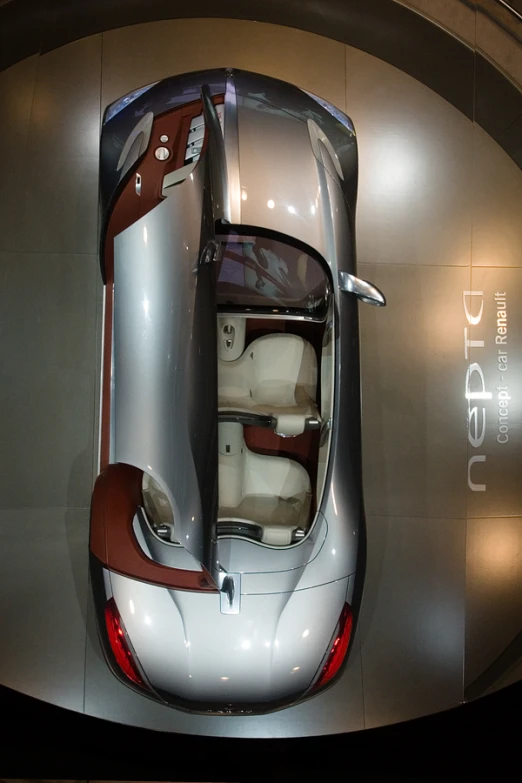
(158, 509)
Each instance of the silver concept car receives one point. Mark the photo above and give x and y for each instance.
(227, 524)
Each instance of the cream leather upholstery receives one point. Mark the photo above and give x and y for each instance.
(272, 492)
(277, 376)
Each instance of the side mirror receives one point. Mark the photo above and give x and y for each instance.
(366, 292)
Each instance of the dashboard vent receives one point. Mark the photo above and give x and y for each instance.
(197, 133)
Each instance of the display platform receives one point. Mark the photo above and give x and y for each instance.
(438, 231)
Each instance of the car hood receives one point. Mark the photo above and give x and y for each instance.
(189, 650)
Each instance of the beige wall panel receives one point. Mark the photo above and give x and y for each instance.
(415, 168)
(58, 210)
(412, 618)
(493, 590)
(497, 225)
(65, 117)
(413, 407)
(16, 98)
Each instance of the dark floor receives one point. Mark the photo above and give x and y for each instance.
(438, 215)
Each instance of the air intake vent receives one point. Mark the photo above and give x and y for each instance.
(197, 133)
(192, 151)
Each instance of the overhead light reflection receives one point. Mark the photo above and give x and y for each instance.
(333, 501)
(394, 169)
(270, 203)
(499, 550)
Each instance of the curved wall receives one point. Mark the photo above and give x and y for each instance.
(438, 214)
(473, 67)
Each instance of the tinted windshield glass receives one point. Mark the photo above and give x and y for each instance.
(260, 274)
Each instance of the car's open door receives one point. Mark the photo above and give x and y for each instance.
(164, 398)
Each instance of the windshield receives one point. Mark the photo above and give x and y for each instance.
(261, 274)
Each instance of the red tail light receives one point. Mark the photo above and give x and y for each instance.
(338, 648)
(119, 645)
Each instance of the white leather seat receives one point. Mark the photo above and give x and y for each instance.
(276, 375)
(272, 492)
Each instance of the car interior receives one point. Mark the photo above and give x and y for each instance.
(275, 357)
(275, 388)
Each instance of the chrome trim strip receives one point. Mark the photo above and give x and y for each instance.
(279, 316)
(231, 136)
(249, 419)
(111, 391)
(101, 376)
